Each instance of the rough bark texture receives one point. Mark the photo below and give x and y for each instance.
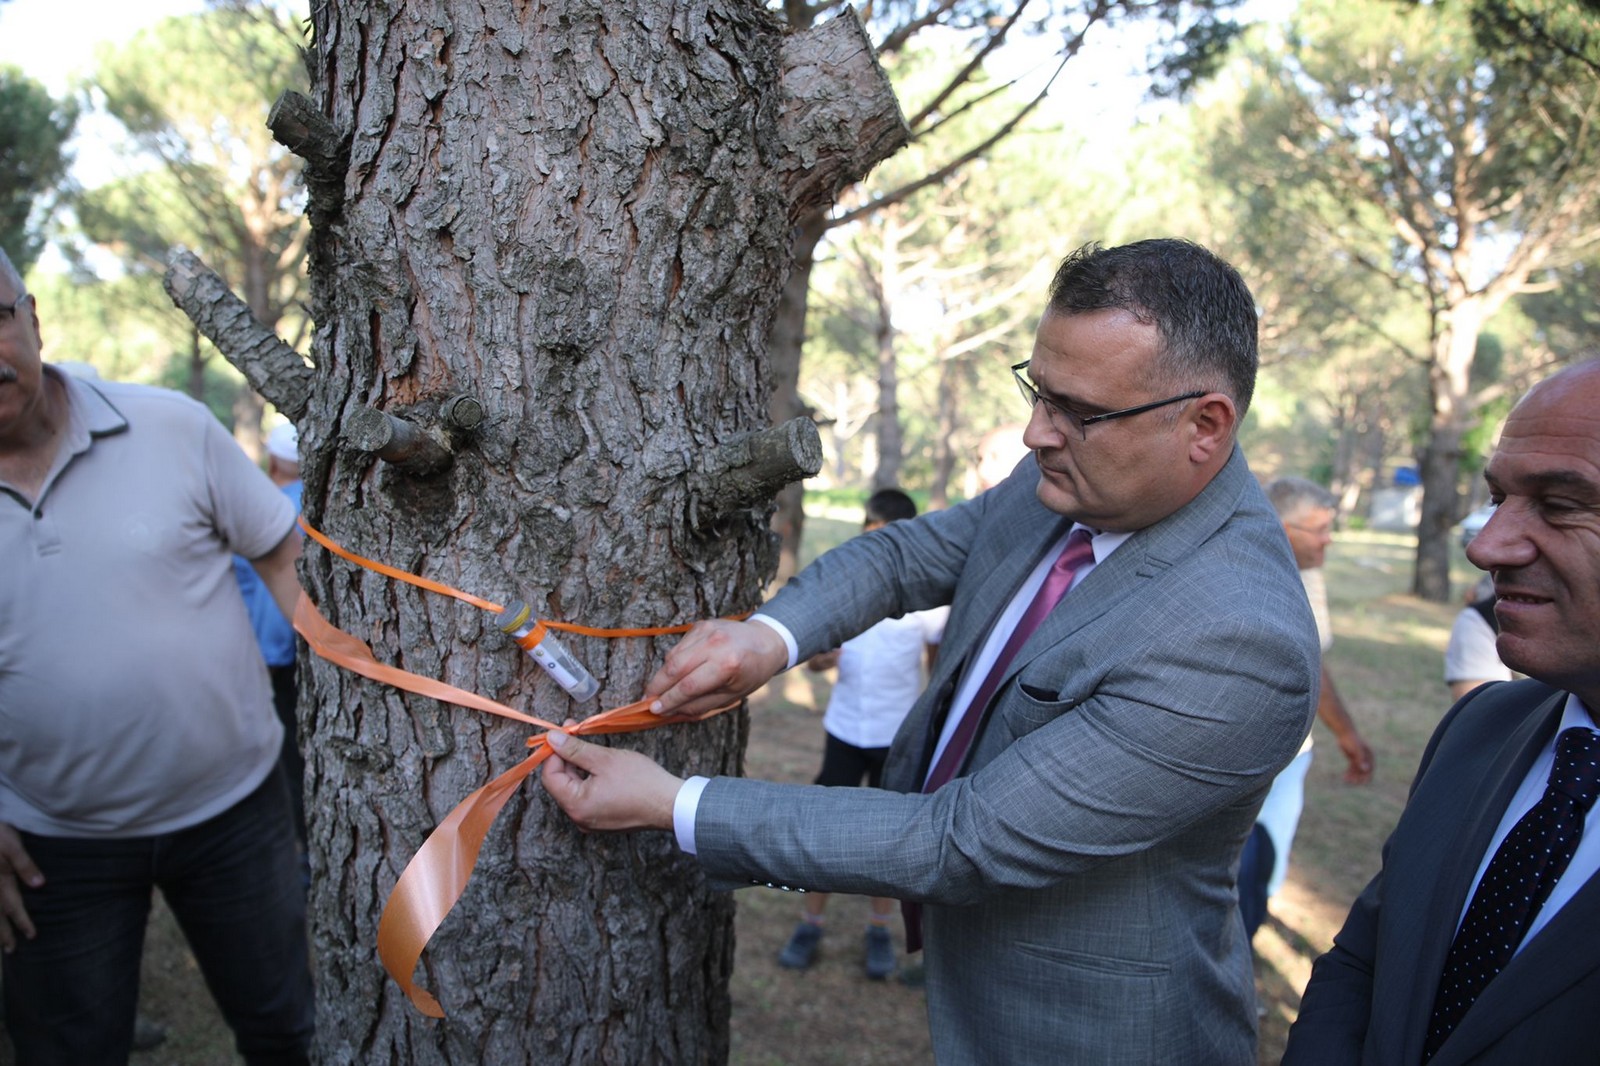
(579, 215)
(273, 369)
(785, 344)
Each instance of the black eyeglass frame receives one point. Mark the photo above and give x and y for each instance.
(1033, 397)
(8, 312)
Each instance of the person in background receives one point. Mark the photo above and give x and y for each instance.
(274, 633)
(880, 677)
(1307, 511)
(138, 746)
(1470, 658)
(999, 452)
(1479, 939)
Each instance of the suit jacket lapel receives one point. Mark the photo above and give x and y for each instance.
(1009, 545)
(1547, 964)
(1147, 553)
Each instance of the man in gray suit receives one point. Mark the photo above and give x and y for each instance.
(1068, 822)
(1395, 988)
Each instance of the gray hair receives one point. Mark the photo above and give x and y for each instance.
(1293, 496)
(9, 274)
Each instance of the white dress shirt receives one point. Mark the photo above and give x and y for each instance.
(1585, 861)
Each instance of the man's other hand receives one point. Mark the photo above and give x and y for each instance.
(1358, 758)
(714, 664)
(605, 788)
(15, 864)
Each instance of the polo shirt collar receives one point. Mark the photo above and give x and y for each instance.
(90, 413)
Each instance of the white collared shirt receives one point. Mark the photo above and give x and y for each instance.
(1585, 861)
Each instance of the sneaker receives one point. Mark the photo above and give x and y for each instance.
(880, 953)
(801, 950)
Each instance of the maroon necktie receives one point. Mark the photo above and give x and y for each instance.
(1074, 554)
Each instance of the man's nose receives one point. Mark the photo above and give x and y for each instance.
(1503, 541)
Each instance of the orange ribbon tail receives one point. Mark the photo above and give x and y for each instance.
(437, 874)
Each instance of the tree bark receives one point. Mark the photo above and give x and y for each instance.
(579, 216)
(784, 347)
(1439, 462)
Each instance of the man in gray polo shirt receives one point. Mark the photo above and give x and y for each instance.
(138, 744)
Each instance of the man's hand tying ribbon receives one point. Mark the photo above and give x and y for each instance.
(607, 788)
(716, 663)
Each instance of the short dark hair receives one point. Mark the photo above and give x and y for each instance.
(890, 505)
(1197, 302)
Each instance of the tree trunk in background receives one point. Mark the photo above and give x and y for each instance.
(883, 278)
(1439, 460)
(581, 216)
(948, 418)
(890, 434)
(196, 387)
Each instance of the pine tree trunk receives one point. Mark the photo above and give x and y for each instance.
(1450, 386)
(578, 215)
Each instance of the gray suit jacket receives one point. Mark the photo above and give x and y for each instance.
(1079, 877)
(1370, 997)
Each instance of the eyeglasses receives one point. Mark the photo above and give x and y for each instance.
(8, 312)
(1079, 422)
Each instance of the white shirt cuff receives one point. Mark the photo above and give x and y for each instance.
(782, 631)
(684, 807)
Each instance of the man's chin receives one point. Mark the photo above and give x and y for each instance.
(1055, 496)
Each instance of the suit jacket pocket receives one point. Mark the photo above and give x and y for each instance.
(1032, 706)
(1104, 964)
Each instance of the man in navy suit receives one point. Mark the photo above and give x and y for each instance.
(1381, 995)
(1128, 662)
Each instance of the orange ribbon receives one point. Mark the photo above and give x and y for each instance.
(437, 874)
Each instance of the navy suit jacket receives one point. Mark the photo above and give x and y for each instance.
(1370, 997)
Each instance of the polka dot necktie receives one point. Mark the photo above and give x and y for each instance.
(1517, 882)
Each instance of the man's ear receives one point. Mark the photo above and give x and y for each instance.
(1212, 422)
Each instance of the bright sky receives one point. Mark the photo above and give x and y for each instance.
(53, 39)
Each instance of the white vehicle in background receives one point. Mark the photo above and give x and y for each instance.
(1473, 524)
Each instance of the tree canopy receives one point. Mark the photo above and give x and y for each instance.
(34, 130)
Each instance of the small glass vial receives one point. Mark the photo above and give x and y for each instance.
(517, 620)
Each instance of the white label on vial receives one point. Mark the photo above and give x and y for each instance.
(567, 671)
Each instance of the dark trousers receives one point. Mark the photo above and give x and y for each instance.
(1255, 870)
(847, 765)
(233, 885)
(285, 700)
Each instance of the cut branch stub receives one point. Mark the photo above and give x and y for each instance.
(273, 369)
(298, 125)
(839, 114)
(750, 469)
(462, 413)
(395, 441)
